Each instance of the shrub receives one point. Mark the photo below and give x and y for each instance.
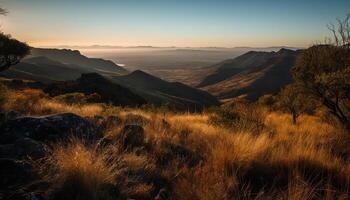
(240, 116)
(294, 100)
(81, 171)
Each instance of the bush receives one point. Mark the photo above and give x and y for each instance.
(240, 116)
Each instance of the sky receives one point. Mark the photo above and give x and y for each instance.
(183, 23)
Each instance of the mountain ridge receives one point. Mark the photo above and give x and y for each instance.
(252, 74)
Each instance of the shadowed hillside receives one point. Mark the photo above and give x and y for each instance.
(94, 83)
(159, 92)
(74, 57)
(252, 74)
(47, 65)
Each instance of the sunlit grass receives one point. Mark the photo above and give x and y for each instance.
(310, 159)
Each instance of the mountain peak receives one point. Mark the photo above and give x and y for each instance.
(286, 51)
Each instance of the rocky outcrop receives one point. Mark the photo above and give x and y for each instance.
(48, 128)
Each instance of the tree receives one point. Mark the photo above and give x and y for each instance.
(324, 71)
(11, 51)
(294, 100)
(3, 11)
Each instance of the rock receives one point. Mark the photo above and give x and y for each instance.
(14, 172)
(131, 136)
(48, 128)
(23, 148)
(12, 115)
(26, 147)
(6, 116)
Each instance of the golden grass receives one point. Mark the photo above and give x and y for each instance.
(76, 170)
(309, 160)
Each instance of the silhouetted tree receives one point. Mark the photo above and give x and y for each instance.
(324, 71)
(3, 11)
(11, 51)
(294, 100)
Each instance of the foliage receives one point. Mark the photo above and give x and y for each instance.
(11, 51)
(240, 116)
(267, 100)
(324, 71)
(295, 100)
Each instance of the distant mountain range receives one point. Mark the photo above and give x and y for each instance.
(108, 79)
(252, 74)
(158, 47)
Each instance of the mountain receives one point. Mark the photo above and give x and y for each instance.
(158, 91)
(252, 74)
(94, 83)
(66, 66)
(74, 57)
(44, 70)
(48, 65)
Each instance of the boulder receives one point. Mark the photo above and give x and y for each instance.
(23, 148)
(14, 172)
(26, 147)
(48, 128)
(131, 136)
(6, 116)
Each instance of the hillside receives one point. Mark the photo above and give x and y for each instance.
(46, 147)
(74, 57)
(160, 92)
(94, 83)
(252, 74)
(48, 65)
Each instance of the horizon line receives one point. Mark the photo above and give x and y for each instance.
(98, 46)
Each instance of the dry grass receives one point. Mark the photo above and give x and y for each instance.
(198, 160)
(36, 102)
(75, 170)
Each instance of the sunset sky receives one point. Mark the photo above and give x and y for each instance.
(185, 23)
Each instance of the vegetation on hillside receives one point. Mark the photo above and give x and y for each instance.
(234, 154)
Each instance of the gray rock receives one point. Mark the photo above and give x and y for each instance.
(48, 128)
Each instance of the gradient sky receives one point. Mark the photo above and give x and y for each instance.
(227, 23)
